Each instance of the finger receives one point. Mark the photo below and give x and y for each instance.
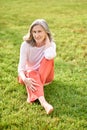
(30, 79)
(35, 84)
(33, 80)
(33, 88)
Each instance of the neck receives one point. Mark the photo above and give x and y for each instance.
(40, 44)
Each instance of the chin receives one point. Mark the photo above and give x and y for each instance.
(39, 42)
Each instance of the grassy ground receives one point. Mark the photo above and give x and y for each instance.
(68, 92)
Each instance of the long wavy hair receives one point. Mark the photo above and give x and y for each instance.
(29, 37)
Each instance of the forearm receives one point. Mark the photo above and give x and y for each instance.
(50, 51)
(22, 75)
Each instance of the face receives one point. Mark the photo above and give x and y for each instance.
(39, 35)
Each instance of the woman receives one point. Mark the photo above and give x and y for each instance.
(36, 64)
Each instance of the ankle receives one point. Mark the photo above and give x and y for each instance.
(42, 100)
(48, 107)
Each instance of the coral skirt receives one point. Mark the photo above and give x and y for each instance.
(44, 75)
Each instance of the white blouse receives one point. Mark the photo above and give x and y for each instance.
(30, 57)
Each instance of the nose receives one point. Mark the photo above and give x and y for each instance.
(36, 34)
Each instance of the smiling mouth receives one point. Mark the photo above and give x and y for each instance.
(37, 39)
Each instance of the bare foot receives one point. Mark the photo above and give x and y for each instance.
(48, 107)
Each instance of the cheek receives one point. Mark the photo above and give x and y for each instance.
(44, 36)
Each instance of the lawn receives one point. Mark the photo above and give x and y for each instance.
(67, 20)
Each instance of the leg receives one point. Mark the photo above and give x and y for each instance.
(46, 70)
(32, 96)
(40, 96)
(43, 75)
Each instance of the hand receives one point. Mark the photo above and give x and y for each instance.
(47, 42)
(31, 83)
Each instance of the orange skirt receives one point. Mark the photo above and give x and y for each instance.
(45, 74)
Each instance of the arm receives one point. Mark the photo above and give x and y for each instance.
(23, 57)
(50, 49)
(29, 82)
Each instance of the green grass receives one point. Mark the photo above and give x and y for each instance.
(68, 92)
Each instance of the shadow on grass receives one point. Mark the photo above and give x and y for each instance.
(67, 100)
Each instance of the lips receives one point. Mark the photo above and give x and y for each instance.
(37, 38)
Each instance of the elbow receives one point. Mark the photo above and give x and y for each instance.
(50, 56)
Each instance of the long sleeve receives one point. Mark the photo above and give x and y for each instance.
(30, 57)
(23, 57)
(50, 52)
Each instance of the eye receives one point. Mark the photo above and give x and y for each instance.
(34, 31)
(39, 31)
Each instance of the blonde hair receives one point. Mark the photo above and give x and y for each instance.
(29, 37)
